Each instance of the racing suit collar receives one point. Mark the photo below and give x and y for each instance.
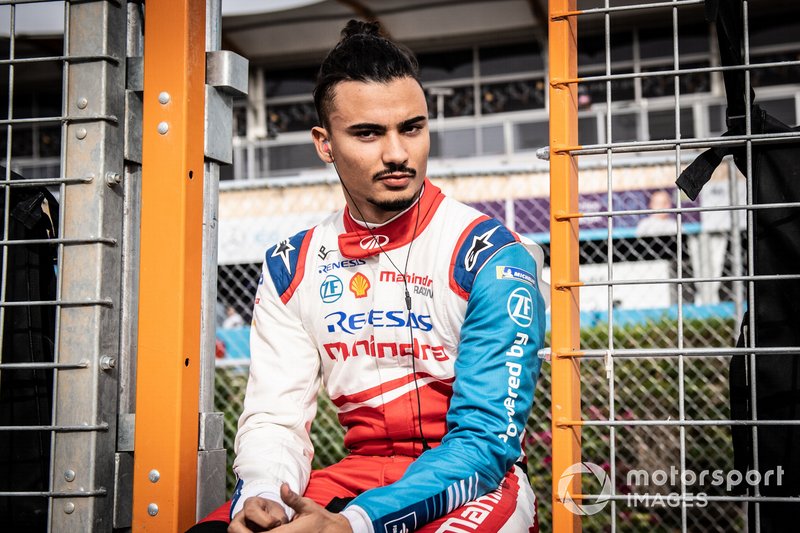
(357, 242)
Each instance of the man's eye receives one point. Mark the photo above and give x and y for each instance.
(416, 128)
(365, 134)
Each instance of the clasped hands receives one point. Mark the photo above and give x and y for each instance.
(261, 514)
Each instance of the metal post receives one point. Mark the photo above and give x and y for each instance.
(168, 363)
(564, 256)
(83, 461)
(226, 76)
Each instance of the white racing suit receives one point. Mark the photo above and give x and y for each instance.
(331, 309)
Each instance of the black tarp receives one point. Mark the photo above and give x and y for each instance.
(775, 174)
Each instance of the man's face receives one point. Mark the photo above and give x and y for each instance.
(379, 140)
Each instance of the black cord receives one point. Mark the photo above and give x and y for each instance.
(425, 445)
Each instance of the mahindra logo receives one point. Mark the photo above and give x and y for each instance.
(374, 241)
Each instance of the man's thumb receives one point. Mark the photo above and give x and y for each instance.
(291, 498)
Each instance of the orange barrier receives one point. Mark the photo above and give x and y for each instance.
(566, 397)
(168, 363)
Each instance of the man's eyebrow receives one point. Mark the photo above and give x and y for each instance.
(366, 126)
(412, 121)
(361, 126)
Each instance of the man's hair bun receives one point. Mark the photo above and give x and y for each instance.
(358, 27)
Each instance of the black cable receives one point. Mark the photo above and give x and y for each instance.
(404, 274)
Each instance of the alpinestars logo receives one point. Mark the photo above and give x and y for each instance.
(373, 241)
(282, 250)
(479, 244)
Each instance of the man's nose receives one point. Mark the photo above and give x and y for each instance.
(394, 150)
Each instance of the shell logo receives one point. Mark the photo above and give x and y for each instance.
(359, 285)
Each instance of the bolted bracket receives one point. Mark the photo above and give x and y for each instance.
(226, 77)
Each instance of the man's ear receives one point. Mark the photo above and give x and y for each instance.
(322, 143)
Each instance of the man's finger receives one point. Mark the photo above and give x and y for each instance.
(295, 501)
(291, 498)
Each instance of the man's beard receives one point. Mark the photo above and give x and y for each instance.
(394, 205)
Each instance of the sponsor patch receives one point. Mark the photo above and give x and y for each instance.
(404, 524)
(283, 250)
(373, 241)
(323, 252)
(359, 285)
(347, 263)
(509, 272)
(341, 321)
(331, 289)
(520, 307)
(480, 243)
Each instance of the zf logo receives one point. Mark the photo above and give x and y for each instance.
(520, 307)
(331, 289)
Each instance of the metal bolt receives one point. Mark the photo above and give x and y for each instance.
(81, 133)
(82, 103)
(163, 97)
(107, 362)
(154, 475)
(152, 509)
(543, 153)
(69, 507)
(69, 475)
(113, 178)
(163, 128)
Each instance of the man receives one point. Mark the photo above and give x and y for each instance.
(421, 316)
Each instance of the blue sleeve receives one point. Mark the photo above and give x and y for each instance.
(495, 376)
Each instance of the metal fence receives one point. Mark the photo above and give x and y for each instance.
(62, 275)
(641, 401)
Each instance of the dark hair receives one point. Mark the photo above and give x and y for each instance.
(362, 54)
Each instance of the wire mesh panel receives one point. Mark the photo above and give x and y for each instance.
(62, 157)
(663, 279)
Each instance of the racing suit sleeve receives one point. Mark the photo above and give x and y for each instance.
(273, 444)
(495, 376)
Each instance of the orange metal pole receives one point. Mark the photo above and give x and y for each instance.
(566, 394)
(168, 360)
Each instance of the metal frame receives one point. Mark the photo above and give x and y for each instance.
(565, 216)
(87, 295)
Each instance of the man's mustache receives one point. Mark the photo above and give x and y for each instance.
(393, 169)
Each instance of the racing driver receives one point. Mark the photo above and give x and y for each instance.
(421, 316)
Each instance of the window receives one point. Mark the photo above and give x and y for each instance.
(300, 116)
(453, 143)
(624, 127)
(521, 57)
(512, 96)
(531, 135)
(445, 66)
(691, 82)
(296, 82)
(662, 124)
(293, 156)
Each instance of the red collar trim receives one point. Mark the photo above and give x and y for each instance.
(357, 242)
